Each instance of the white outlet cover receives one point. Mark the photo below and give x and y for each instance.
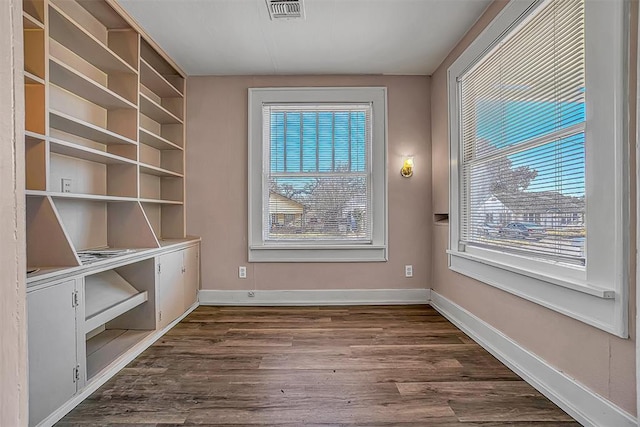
(66, 185)
(242, 272)
(408, 271)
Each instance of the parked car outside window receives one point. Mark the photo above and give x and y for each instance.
(491, 229)
(523, 230)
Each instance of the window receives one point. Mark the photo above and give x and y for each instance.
(317, 179)
(318, 169)
(523, 126)
(537, 177)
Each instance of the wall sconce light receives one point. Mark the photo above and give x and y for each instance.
(407, 167)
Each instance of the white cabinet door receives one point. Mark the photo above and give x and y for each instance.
(170, 287)
(51, 317)
(191, 262)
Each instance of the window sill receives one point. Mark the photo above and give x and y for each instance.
(574, 285)
(305, 253)
(589, 304)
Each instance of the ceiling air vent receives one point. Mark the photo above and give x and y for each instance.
(285, 9)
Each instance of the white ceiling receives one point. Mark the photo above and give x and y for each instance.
(236, 37)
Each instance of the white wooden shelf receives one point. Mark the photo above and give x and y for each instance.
(85, 153)
(105, 109)
(104, 13)
(81, 196)
(69, 124)
(156, 82)
(34, 135)
(106, 347)
(157, 112)
(161, 202)
(64, 76)
(31, 23)
(107, 296)
(32, 79)
(70, 34)
(154, 170)
(149, 138)
(169, 241)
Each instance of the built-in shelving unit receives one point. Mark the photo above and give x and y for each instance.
(35, 70)
(105, 187)
(104, 124)
(104, 161)
(161, 143)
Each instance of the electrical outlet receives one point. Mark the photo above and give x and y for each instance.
(242, 272)
(251, 294)
(408, 271)
(66, 185)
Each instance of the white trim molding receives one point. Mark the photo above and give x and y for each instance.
(587, 407)
(637, 195)
(315, 297)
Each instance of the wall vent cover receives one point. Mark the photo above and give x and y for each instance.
(285, 9)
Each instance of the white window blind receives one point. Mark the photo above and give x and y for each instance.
(317, 173)
(522, 109)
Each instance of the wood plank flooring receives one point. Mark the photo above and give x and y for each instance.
(316, 366)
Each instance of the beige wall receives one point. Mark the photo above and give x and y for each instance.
(600, 361)
(217, 187)
(13, 349)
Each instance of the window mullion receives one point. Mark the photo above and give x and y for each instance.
(536, 142)
(317, 142)
(333, 141)
(284, 139)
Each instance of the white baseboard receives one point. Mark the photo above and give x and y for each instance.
(584, 405)
(113, 369)
(578, 401)
(315, 297)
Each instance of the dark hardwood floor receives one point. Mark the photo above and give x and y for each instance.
(311, 366)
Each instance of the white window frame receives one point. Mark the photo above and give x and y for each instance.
(374, 251)
(598, 294)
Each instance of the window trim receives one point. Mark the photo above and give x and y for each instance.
(261, 251)
(597, 295)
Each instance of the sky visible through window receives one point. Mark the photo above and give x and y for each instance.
(318, 141)
(558, 162)
(522, 127)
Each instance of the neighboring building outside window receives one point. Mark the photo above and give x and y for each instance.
(536, 108)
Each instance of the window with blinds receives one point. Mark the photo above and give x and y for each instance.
(317, 173)
(522, 110)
